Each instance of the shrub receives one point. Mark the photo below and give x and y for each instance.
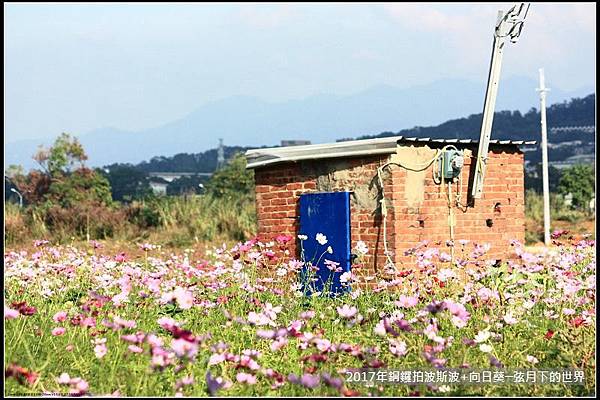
(578, 180)
(15, 224)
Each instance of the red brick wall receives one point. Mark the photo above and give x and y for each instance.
(503, 184)
(278, 188)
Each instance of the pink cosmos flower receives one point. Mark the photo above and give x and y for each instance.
(63, 379)
(100, 350)
(136, 338)
(216, 359)
(278, 343)
(407, 301)
(135, 349)
(243, 377)
(322, 344)
(167, 323)
(96, 244)
(184, 348)
(58, 331)
(124, 323)
(347, 312)
(283, 239)
(154, 341)
(120, 298)
(60, 316)
(332, 265)
(259, 319)
(248, 362)
(78, 386)
(147, 246)
(185, 298)
(9, 313)
(379, 328)
(88, 322)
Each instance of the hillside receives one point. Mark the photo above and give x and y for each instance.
(516, 126)
(507, 125)
(322, 118)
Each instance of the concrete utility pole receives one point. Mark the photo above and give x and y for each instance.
(543, 89)
(220, 155)
(508, 26)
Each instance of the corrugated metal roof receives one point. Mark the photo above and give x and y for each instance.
(464, 141)
(261, 157)
(272, 155)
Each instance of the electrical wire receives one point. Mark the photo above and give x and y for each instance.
(438, 179)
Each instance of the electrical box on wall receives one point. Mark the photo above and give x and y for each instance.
(452, 163)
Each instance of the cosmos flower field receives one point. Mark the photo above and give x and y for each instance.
(236, 321)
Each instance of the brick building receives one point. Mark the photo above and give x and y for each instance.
(416, 201)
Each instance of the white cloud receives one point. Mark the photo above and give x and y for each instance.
(553, 32)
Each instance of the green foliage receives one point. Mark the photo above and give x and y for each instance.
(203, 218)
(233, 180)
(578, 180)
(534, 213)
(66, 199)
(186, 185)
(534, 181)
(127, 182)
(62, 156)
(184, 162)
(15, 225)
(144, 214)
(83, 186)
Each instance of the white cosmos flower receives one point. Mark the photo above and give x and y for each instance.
(380, 329)
(510, 319)
(397, 347)
(486, 348)
(361, 248)
(482, 336)
(322, 239)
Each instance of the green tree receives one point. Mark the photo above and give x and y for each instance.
(233, 180)
(62, 157)
(579, 180)
(186, 185)
(127, 182)
(82, 186)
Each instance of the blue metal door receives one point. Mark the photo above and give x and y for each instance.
(327, 214)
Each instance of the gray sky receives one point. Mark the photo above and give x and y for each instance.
(74, 67)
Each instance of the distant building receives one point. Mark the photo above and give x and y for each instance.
(287, 143)
(159, 186)
(568, 201)
(160, 180)
(171, 176)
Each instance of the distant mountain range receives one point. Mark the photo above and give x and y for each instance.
(249, 121)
